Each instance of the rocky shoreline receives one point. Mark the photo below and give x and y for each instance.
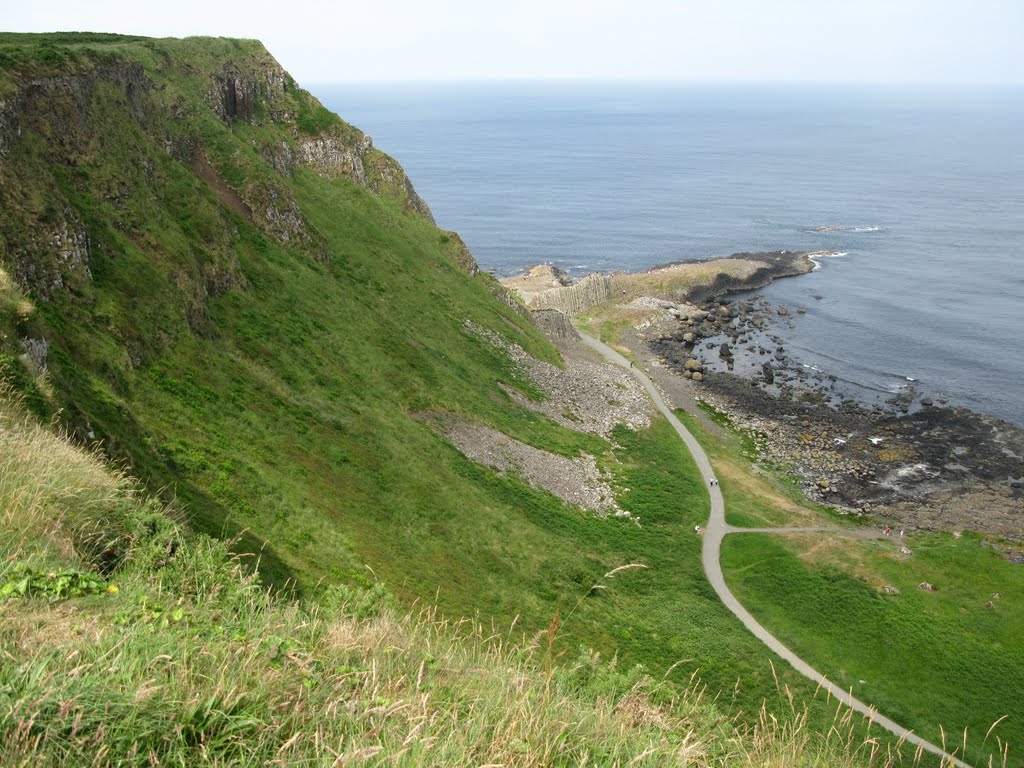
(904, 461)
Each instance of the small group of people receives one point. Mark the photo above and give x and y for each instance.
(888, 531)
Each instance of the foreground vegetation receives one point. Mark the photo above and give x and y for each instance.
(125, 640)
(952, 658)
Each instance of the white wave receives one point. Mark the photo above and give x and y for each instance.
(832, 228)
(814, 257)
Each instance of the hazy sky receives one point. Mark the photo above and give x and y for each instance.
(695, 40)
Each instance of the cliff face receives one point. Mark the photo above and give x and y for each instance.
(573, 299)
(234, 292)
(56, 111)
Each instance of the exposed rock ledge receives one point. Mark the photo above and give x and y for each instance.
(548, 287)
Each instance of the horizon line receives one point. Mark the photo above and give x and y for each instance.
(596, 80)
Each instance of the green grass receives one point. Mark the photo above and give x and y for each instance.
(173, 654)
(926, 658)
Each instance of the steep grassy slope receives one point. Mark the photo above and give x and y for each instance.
(173, 656)
(241, 298)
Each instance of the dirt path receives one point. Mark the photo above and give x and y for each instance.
(717, 529)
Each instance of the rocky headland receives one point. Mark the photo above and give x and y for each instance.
(902, 460)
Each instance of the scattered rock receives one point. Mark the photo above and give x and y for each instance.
(889, 589)
(924, 585)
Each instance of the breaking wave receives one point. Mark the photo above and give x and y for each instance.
(841, 228)
(823, 255)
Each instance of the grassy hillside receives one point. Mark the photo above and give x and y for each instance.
(950, 659)
(126, 640)
(259, 352)
(229, 291)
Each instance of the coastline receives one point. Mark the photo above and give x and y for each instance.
(905, 461)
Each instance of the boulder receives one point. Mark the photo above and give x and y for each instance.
(724, 350)
(698, 376)
(769, 373)
(693, 364)
(924, 585)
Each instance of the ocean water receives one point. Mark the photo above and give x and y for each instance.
(922, 191)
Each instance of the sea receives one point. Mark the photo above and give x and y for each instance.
(917, 192)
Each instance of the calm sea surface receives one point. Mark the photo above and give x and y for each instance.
(924, 189)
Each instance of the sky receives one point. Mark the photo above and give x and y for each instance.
(842, 41)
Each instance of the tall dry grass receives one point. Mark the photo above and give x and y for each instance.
(53, 494)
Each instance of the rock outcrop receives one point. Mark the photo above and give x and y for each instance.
(236, 92)
(54, 257)
(331, 157)
(10, 126)
(554, 325)
(547, 287)
(578, 297)
(348, 153)
(456, 247)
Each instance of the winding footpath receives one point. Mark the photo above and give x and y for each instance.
(717, 529)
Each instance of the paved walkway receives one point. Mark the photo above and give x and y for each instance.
(717, 529)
